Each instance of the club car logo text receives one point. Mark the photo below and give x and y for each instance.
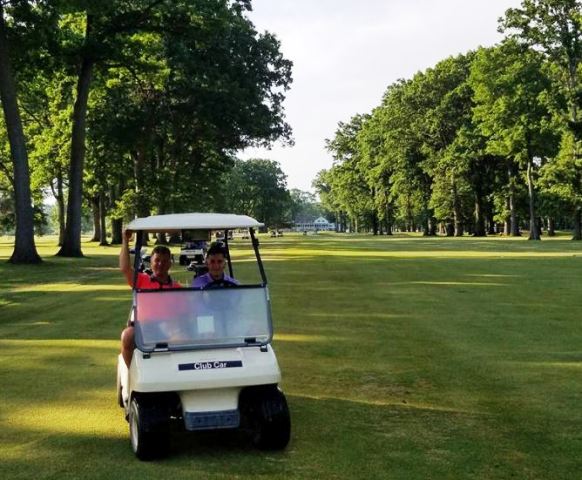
(216, 364)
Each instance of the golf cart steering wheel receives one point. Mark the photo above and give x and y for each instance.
(224, 283)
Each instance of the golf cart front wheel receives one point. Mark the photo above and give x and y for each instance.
(149, 439)
(268, 417)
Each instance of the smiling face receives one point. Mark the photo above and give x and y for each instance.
(160, 264)
(215, 264)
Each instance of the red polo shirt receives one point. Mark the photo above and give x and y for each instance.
(145, 282)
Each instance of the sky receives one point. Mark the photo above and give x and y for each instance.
(346, 53)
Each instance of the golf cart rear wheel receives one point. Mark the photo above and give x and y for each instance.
(267, 416)
(148, 432)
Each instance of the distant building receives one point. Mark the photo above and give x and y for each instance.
(320, 224)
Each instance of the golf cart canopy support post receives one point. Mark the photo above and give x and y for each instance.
(137, 259)
(228, 253)
(255, 242)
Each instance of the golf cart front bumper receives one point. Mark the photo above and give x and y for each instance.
(203, 369)
(208, 382)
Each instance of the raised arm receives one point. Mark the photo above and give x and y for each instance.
(124, 263)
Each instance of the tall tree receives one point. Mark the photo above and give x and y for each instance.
(554, 27)
(71, 246)
(24, 246)
(258, 187)
(354, 191)
(510, 87)
(105, 28)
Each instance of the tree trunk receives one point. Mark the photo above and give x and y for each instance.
(72, 244)
(507, 221)
(514, 225)
(102, 220)
(117, 224)
(24, 246)
(534, 233)
(577, 233)
(432, 226)
(551, 227)
(139, 168)
(491, 226)
(479, 230)
(60, 201)
(96, 219)
(61, 207)
(388, 224)
(451, 229)
(116, 231)
(513, 220)
(459, 228)
(425, 227)
(457, 216)
(375, 224)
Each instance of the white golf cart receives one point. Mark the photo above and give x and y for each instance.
(192, 252)
(203, 357)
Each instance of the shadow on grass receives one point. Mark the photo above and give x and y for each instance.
(55, 270)
(406, 243)
(38, 315)
(331, 439)
(357, 334)
(59, 417)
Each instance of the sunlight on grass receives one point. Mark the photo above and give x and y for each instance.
(401, 357)
(61, 343)
(71, 287)
(427, 254)
(492, 275)
(288, 337)
(390, 403)
(91, 416)
(566, 365)
(335, 314)
(467, 284)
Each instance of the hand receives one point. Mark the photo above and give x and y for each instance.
(127, 235)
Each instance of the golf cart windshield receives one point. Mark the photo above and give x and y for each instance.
(184, 319)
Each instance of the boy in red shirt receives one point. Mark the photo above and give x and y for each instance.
(161, 261)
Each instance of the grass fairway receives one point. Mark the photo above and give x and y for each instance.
(402, 358)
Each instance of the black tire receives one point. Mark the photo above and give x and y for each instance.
(148, 431)
(266, 416)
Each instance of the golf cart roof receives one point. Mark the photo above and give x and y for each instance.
(192, 221)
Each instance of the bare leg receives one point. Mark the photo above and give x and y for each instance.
(127, 345)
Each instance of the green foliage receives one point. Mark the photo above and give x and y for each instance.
(177, 87)
(303, 206)
(258, 188)
(459, 142)
(554, 27)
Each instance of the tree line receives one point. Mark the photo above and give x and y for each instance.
(131, 107)
(484, 142)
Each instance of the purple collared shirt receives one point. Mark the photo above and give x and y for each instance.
(203, 280)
